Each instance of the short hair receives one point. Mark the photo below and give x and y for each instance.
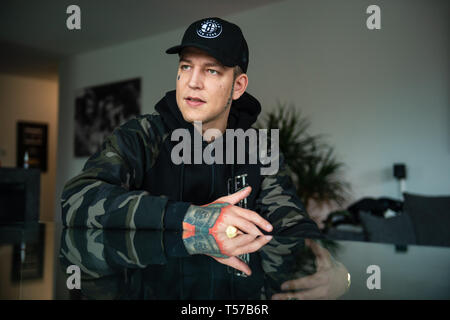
(237, 71)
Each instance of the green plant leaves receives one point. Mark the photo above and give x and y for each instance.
(314, 168)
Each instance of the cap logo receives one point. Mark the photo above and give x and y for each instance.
(209, 28)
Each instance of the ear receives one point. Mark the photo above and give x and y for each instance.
(240, 85)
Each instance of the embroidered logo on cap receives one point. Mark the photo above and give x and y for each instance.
(209, 28)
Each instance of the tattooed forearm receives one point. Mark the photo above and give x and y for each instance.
(203, 243)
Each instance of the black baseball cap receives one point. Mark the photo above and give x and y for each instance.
(221, 39)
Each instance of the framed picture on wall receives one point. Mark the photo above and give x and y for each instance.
(100, 109)
(32, 145)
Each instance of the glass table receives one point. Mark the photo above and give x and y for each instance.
(47, 261)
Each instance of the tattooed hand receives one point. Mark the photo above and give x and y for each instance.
(217, 216)
(205, 230)
(205, 243)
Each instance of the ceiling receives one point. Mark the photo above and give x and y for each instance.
(34, 36)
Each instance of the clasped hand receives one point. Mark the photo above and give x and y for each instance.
(204, 230)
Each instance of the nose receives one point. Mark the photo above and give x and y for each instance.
(196, 79)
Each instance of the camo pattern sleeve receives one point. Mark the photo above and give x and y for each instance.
(107, 193)
(279, 204)
(109, 260)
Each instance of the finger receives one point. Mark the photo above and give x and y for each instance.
(242, 240)
(312, 294)
(244, 225)
(253, 217)
(307, 282)
(237, 196)
(229, 246)
(253, 246)
(235, 263)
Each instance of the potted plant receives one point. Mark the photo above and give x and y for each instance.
(313, 167)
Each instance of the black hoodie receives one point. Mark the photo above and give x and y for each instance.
(200, 184)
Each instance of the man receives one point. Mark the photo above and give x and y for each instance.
(132, 181)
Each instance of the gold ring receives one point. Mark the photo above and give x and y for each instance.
(231, 232)
(349, 281)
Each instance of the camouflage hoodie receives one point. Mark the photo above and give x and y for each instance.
(131, 181)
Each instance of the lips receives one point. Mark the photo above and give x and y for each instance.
(194, 101)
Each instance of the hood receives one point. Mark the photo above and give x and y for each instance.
(244, 112)
(202, 183)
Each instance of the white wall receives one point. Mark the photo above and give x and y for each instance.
(381, 96)
(36, 100)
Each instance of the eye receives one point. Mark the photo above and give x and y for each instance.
(184, 67)
(212, 71)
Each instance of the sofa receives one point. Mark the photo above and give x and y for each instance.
(420, 220)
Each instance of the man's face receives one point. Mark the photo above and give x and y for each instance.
(203, 88)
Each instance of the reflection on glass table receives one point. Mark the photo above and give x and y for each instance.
(26, 261)
(124, 264)
(136, 264)
(156, 265)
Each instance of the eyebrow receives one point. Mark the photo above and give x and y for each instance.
(208, 64)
